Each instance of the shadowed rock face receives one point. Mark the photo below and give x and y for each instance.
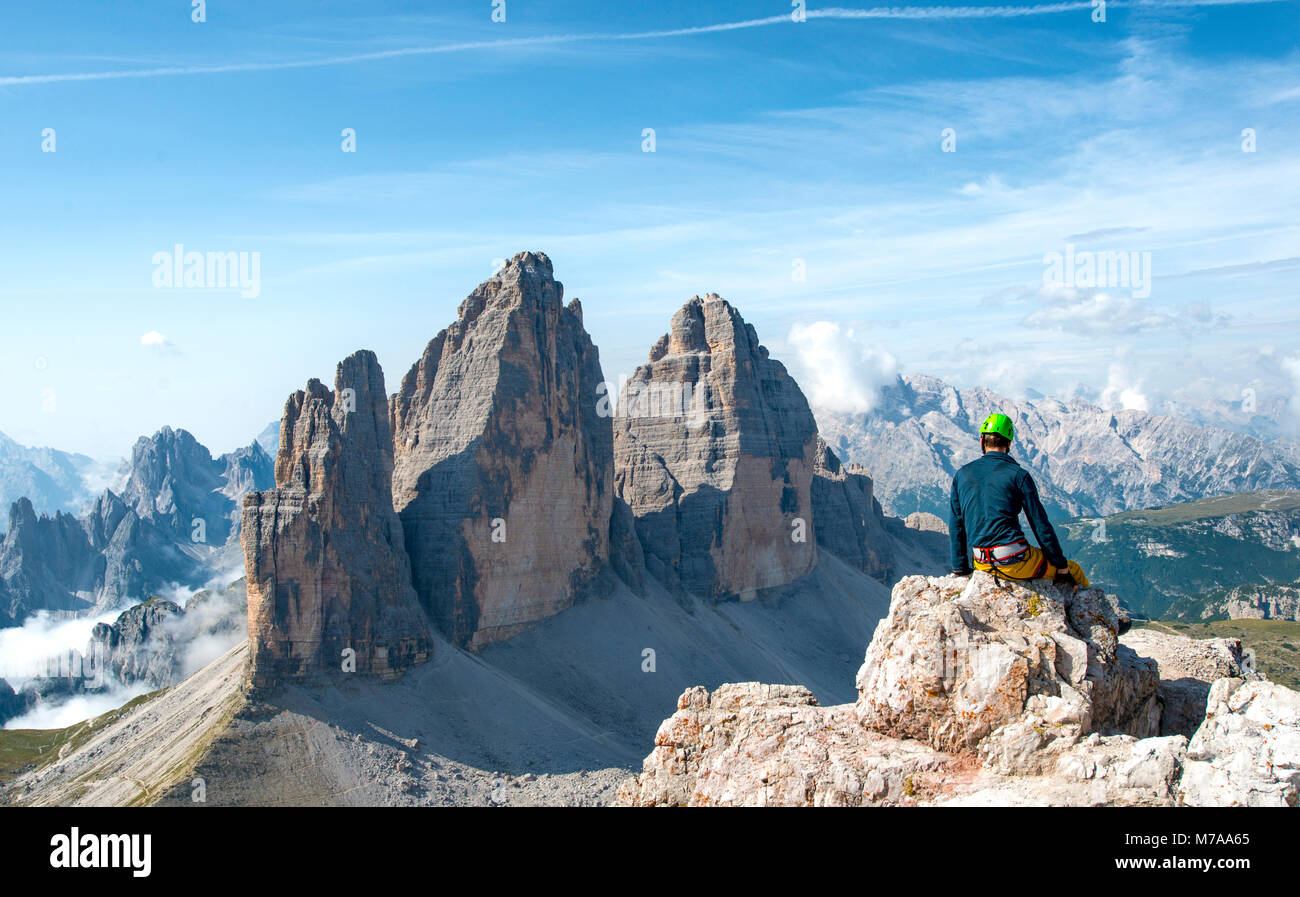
(161, 643)
(12, 703)
(327, 568)
(849, 521)
(46, 563)
(714, 452)
(1188, 667)
(172, 480)
(503, 464)
(138, 645)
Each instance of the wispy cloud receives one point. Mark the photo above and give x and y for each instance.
(1106, 314)
(913, 13)
(1244, 270)
(1105, 233)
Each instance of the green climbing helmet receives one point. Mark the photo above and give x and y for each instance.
(999, 424)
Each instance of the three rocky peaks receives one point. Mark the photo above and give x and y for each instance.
(500, 484)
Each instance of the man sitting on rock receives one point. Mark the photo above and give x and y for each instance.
(988, 495)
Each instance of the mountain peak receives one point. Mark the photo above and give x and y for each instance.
(495, 422)
(704, 325)
(715, 447)
(327, 568)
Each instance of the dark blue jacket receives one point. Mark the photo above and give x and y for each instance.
(988, 495)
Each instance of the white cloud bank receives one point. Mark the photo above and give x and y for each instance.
(840, 371)
(1123, 393)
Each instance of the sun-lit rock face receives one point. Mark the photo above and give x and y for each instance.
(1247, 752)
(959, 658)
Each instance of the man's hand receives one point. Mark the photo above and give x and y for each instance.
(1066, 578)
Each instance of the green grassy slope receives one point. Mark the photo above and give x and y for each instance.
(1166, 557)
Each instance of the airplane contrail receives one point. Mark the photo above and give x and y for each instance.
(914, 13)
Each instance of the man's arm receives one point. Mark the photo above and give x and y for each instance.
(1041, 525)
(957, 534)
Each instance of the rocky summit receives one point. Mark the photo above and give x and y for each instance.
(1188, 667)
(980, 691)
(504, 467)
(960, 658)
(328, 577)
(714, 453)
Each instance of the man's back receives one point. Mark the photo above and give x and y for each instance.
(988, 495)
(991, 498)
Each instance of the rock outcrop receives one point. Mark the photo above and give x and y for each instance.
(504, 467)
(46, 563)
(715, 448)
(1188, 667)
(138, 646)
(959, 659)
(326, 563)
(976, 692)
(924, 522)
(12, 703)
(1247, 752)
(772, 745)
(159, 643)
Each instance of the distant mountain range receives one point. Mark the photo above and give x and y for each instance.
(269, 438)
(1086, 460)
(50, 479)
(1231, 557)
(171, 521)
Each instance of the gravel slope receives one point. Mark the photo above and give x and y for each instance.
(559, 715)
(143, 750)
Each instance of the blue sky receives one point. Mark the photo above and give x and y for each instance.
(777, 141)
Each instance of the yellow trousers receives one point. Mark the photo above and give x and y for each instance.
(1034, 566)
